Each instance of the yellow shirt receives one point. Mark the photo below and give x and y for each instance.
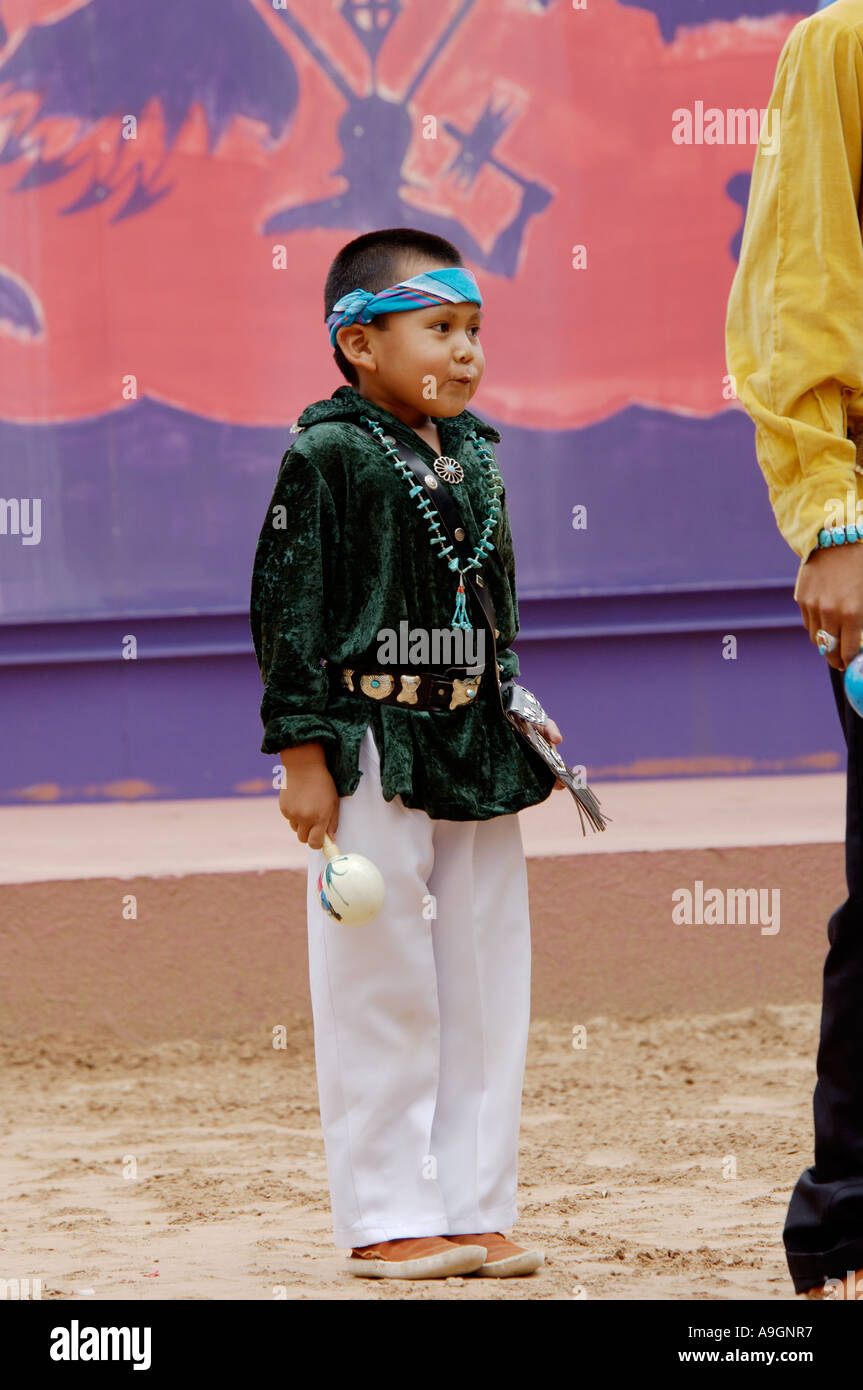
(794, 326)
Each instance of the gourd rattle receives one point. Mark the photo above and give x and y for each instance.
(351, 887)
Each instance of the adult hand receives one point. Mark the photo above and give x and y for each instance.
(830, 596)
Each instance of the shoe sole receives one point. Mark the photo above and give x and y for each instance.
(462, 1259)
(525, 1263)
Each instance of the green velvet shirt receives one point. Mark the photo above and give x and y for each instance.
(350, 555)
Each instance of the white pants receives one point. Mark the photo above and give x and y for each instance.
(421, 1022)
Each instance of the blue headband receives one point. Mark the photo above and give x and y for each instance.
(451, 285)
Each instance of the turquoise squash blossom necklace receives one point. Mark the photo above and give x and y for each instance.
(450, 471)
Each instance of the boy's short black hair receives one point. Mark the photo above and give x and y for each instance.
(376, 260)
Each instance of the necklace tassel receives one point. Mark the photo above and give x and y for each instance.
(460, 617)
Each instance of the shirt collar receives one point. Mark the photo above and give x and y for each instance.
(346, 404)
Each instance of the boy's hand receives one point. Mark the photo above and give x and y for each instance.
(551, 733)
(309, 799)
(830, 596)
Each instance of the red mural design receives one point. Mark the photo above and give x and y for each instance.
(159, 258)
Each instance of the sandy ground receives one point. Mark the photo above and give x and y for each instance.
(656, 1163)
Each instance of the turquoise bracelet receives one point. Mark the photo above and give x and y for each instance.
(838, 535)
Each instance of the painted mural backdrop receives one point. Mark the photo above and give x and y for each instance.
(176, 177)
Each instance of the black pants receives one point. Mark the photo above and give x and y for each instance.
(824, 1227)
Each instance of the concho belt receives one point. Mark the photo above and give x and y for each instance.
(414, 689)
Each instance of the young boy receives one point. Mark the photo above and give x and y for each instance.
(421, 1016)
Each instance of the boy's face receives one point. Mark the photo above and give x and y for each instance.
(426, 360)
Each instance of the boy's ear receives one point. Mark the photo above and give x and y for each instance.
(356, 345)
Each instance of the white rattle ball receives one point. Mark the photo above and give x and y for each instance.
(350, 886)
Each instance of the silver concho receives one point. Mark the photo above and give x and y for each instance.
(408, 692)
(379, 686)
(449, 469)
(464, 691)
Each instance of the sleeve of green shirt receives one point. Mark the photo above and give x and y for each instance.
(795, 312)
(288, 606)
(507, 659)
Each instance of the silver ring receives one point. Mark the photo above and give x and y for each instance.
(828, 643)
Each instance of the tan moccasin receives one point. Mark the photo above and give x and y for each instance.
(503, 1257)
(416, 1257)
